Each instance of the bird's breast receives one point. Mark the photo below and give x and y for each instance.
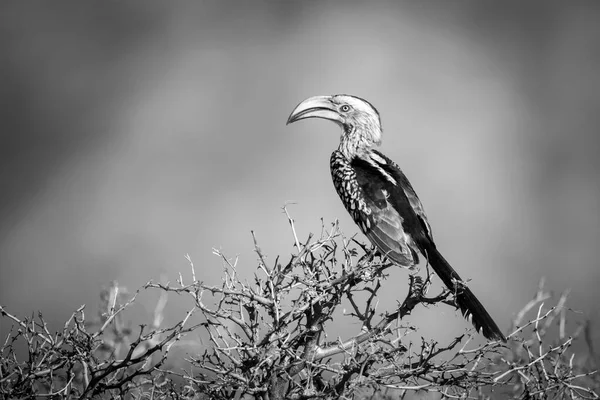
(349, 191)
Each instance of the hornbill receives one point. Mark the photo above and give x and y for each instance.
(382, 201)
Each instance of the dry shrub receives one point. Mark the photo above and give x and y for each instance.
(267, 339)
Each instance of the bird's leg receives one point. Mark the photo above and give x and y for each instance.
(417, 286)
(442, 297)
(416, 290)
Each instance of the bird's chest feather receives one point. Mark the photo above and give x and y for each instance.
(350, 192)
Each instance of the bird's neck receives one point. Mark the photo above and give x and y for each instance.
(354, 144)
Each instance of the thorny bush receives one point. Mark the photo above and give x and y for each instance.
(267, 339)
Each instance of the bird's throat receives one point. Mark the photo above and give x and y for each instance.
(353, 144)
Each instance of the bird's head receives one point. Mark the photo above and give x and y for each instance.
(360, 122)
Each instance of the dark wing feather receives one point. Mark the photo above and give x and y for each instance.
(385, 201)
(394, 170)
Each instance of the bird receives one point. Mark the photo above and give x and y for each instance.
(381, 200)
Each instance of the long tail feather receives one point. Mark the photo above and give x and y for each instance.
(466, 301)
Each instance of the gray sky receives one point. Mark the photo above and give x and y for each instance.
(134, 133)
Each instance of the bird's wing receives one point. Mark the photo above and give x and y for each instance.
(387, 205)
(394, 170)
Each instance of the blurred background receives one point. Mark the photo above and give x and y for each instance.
(132, 133)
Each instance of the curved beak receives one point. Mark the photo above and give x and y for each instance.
(315, 107)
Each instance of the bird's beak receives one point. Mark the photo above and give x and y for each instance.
(315, 107)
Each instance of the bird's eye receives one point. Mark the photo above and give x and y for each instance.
(345, 108)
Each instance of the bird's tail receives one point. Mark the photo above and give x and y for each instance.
(466, 301)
